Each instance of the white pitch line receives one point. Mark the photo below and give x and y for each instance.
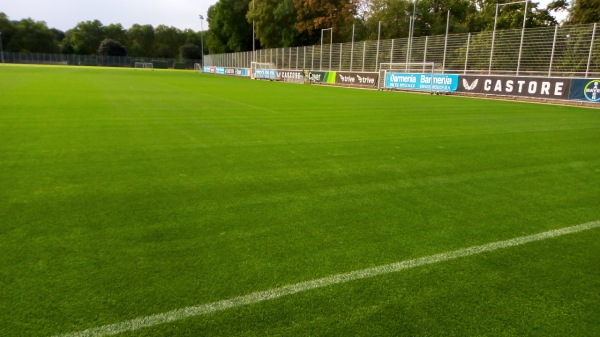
(261, 296)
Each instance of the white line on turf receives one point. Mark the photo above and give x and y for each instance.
(261, 296)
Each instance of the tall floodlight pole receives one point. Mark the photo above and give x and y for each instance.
(1, 50)
(202, 37)
(496, 22)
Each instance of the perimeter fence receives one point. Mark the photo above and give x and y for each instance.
(95, 60)
(567, 51)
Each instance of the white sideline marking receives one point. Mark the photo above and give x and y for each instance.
(261, 296)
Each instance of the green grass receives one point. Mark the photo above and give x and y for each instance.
(128, 193)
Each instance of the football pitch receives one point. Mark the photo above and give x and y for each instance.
(172, 203)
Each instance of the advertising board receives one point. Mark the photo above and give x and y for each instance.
(297, 75)
(267, 74)
(357, 79)
(416, 81)
(242, 72)
(537, 87)
(320, 77)
(587, 90)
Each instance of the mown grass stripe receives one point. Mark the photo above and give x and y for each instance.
(261, 296)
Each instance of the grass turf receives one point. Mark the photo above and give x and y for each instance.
(128, 193)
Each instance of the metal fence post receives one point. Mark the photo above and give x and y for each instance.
(467, 53)
(304, 59)
(364, 54)
(330, 47)
(378, 38)
(341, 48)
(352, 49)
(446, 43)
(392, 52)
(587, 69)
(493, 40)
(552, 54)
(522, 36)
(425, 52)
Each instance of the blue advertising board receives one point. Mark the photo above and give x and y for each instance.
(270, 74)
(207, 69)
(220, 70)
(412, 81)
(587, 90)
(241, 72)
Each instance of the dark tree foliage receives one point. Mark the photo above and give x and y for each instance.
(229, 30)
(275, 23)
(190, 51)
(85, 38)
(110, 47)
(314, 15)
(585, 11)
(30, 37)
(140, 40)
(167, 41)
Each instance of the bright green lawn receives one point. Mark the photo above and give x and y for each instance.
(128, 193)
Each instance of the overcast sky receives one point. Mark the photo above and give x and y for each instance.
(66, 14)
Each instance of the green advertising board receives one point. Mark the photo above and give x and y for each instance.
(322, 77)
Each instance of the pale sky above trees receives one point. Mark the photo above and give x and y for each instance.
(65, 14)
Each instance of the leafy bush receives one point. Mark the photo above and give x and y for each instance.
(160, 64)
(179, 65)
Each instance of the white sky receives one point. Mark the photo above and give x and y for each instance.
(65, 14)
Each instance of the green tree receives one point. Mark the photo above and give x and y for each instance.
(584, 11)
(394, 16)
(110, 47)
(115, 32)
(190, 51)
(140, 40)
(229, 30)
(8, 29)
(275, 22)
(314, 15)
(85, 38)
(216, 40)
(509, 16)
(434, 16)
(34, 37)
(167, 41)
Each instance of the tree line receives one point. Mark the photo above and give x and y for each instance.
(288, 23)
(94, 38)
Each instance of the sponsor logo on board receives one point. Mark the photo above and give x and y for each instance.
(557, 88)
(591, 91)
(357, 79)
(414, 81)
